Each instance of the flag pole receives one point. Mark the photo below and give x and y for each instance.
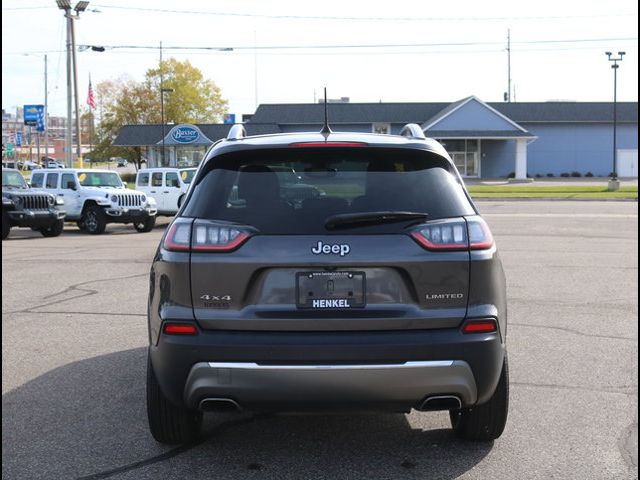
(91, 103)
(91, 125)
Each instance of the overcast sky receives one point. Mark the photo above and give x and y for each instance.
(422, 70)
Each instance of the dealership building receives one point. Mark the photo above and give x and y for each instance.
(485, 140)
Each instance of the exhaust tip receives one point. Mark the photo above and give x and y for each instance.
(219, 405)
(440, 402)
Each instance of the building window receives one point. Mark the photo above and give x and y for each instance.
(464, 154)
(382, 128)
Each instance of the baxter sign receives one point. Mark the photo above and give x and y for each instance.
(185, 134)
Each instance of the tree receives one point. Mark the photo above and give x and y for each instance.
(124, 101)
(194, 99)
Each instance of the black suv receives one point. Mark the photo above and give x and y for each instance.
(384, 294)
(26, 207)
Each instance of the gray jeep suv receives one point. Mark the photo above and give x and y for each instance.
(384, 294)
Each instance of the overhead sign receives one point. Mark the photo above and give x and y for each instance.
(230, 118)
(9, 150)
(33, 114)
(185, 134)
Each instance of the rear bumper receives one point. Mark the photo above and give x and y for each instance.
(287, 371)
(35, 218)
(388, 387)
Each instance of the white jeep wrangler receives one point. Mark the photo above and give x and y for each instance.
(94, 198)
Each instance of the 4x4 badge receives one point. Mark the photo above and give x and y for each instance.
(341, 249)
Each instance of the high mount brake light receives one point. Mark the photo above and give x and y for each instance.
(454, 234)
(328, 144)
(480, 326)
(204, 236)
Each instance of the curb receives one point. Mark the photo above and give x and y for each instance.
(551, 199)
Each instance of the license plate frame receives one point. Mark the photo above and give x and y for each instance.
(347, 290)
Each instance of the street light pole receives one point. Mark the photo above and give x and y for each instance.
(614, 174)
(46, 113)
(66, 6)
(72, 72)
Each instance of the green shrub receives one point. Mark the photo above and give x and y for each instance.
(588, 174)
(576, 174)
(550, 175)
(565, 175)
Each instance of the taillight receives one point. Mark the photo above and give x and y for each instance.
(178, 237)
(488, 325)
(454, 234)
(180, 329)
(213, 237)
(450, 234)
(204, 236)
(480, 237)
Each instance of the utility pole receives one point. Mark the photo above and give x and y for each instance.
(46, 112)
(75, 94)
(68, 133)
(509, 65)
(255, 67)
(162, 106)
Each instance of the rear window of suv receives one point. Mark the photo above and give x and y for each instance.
(295, 190)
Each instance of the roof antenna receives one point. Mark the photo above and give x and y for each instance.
(325, 128)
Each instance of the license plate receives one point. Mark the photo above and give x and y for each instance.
(330, 290)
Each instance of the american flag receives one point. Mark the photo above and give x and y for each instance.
(91, 101)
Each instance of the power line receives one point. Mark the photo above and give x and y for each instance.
(335, 47)
(352, 18)
(357, 46)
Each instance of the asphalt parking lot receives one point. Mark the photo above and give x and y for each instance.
(73, 367)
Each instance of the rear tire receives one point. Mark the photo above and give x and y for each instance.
(6, 225)
(487, 421)
(145, 225)
(54, 230)
(93, 220)
(169, 423)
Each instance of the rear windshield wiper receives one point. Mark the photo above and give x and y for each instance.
(346, 220)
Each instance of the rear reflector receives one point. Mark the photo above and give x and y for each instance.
(180, 329)
(480, 326)
(329, 144)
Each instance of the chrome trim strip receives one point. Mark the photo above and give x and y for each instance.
(255, 366)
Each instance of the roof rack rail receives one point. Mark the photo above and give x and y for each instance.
(236, 132)
(413, 130)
